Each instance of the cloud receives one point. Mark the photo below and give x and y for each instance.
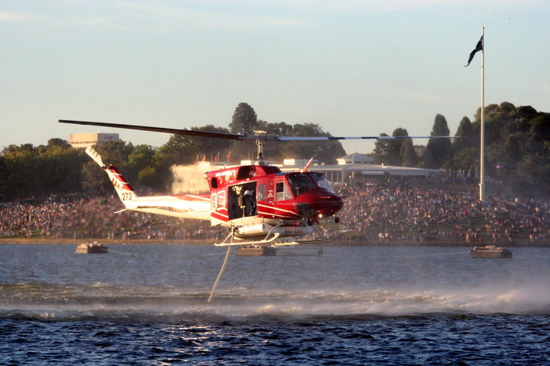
(393, 5)
(218, 14)
(289, 14)
(14, 17)
(158, 15)
(366, 6)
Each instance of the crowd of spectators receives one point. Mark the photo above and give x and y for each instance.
(373, 214)
(379, 213)
(93, 217)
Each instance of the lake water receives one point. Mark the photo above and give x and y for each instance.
(146, 305)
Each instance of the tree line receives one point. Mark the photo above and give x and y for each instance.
(57, 167)
(517, 152)
(517, 147)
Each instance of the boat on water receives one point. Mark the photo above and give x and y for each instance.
(490, 251)
(298, 251)
(267, 250)
(256, 250)
(91, 248)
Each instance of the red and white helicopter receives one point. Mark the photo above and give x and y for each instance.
(260, 204)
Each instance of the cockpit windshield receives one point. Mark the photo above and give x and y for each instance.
(321, 181)
(303, 182)
(300, 183)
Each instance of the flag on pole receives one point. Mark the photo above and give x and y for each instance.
(479, 47)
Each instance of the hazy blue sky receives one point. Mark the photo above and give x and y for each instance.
(357, 68)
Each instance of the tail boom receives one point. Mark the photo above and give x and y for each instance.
(184, 206)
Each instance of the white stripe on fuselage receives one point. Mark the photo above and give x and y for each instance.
(281, 210)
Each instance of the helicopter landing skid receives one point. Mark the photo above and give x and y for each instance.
(322, 234)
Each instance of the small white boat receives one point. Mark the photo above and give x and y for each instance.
(91, 248)
(490, 251)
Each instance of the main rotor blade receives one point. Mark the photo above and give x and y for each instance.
(259, 136)
(219, 135)
(328, 138)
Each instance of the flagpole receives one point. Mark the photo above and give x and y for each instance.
(482, 137)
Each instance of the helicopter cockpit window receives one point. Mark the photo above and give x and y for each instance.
(300, 183)
(282, 191)
(321, 181)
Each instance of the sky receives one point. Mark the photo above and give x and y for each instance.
(356, 68)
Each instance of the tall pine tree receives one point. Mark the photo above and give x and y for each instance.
(438, 150)
(244, 119)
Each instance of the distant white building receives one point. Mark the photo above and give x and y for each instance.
(84, 140)
(355, 158)
(359, 170)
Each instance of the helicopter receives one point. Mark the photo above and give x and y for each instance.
(260, 204)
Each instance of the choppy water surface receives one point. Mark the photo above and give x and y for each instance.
(146, 304)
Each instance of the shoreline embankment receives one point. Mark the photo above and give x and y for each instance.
(458, 244)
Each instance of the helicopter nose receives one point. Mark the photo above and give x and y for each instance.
(322, 201)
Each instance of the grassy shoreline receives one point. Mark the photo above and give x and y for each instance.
(515, 244)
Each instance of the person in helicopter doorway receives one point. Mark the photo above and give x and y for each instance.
(249, 202)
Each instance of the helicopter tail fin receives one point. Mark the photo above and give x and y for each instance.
(123, 189)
